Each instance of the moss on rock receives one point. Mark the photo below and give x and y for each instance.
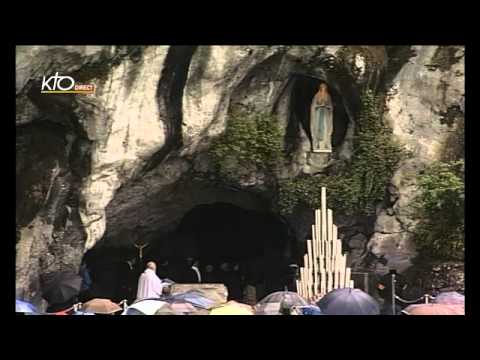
(251, 144)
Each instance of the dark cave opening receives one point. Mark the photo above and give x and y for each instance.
(257, 247)
(303, 90)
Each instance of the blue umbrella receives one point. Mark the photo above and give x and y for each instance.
(310, 310)
(24, 307)
(348, 301)
(82, 313)
(194, 298)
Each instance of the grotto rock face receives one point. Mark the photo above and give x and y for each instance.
(136, 152)
(425, 110)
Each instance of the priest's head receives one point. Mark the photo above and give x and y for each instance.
(152, 266)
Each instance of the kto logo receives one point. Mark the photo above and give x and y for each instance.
(64, 85)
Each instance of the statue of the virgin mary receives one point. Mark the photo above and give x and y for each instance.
(321, 120)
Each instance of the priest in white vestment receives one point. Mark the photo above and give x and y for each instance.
(149, 284)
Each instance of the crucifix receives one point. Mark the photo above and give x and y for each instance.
(140, 249)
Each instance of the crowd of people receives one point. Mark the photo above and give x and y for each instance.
(243, 280)
(134, 278)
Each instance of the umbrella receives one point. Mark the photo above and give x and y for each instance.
(167, 309)
(309, 310)
(213, 295)
(82, 313)
(176, 307)
(100, 306)
(183, 307)
(200, 312)
(215, 292)
(60, 287)
(451, 297)
(195, 298)
(435, 309)
(145, 307)
(271, 304)
(348, 301)
(233, 308)
(24, 307)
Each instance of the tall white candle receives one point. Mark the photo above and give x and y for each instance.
(329, 236)
(318, 221)
(348, 276)
(324, 214)
(342, 271)
(329, 281)
(310, 255)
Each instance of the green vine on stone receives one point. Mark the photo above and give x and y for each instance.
(439, 208)
(251, 143)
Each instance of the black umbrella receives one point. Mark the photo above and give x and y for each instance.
(60, 287)
(348, 301)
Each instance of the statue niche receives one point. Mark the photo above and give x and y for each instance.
(321, 120)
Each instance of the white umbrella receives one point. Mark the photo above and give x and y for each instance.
(271, 304)
(146, 307)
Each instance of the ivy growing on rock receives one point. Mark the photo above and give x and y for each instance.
(358, 186)
(439, 208)
(252, 143)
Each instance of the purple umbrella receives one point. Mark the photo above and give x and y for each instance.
(193, 297)
(24, 307)
(348, 301)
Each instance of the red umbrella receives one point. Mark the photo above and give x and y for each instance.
(435, 309)
(100, 306)
(451, 297)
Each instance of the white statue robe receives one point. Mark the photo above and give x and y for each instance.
(321, 124)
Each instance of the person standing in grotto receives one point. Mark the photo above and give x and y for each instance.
(274, 274)
(223, 273)
(209, 277)
(163, 270)
(250, 281)
(195, 267)
(291, 277)
(384, 289)
(236, 283)
(149, 284)
(84, 272)
(228, 277)
(189, 272)
(128, 279)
